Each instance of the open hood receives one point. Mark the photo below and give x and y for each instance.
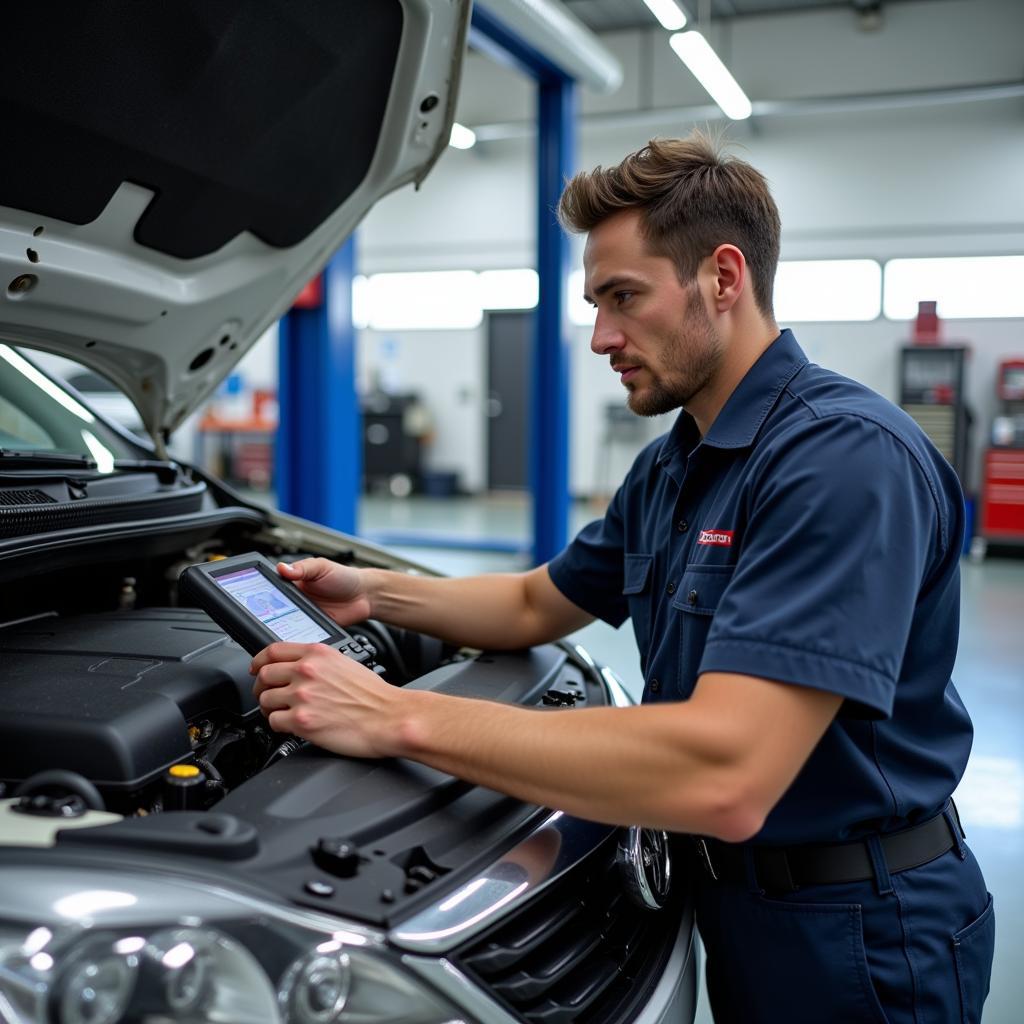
(174, 174)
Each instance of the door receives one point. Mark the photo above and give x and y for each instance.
(509, 337)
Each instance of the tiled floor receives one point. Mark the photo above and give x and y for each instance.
(989, 675)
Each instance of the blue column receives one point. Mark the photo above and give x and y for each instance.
(318, 466)
(549, 407)
(549, 420)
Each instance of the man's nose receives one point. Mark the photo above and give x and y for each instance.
(606, 337)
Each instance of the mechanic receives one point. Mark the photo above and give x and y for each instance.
(789, 556)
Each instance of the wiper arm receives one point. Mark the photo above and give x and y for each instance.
(11, 458)
(167, 471)
(64, 460)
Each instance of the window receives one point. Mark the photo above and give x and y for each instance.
(508, 289)
(435, 300)
(827, 290)
(965, 287)
(18, 430)
(581, 312)
(439, 300)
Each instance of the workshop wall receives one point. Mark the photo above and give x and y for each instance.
(908, 181)
(933, 182)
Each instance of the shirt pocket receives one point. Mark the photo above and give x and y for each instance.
(697, 597)
(636, 588)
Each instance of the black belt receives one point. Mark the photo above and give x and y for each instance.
(788, 868)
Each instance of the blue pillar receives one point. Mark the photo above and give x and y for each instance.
(549, 439)
(549, 406)
(318, 467)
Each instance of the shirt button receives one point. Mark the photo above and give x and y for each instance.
(655, 686)
(691, 597)
(671, 587)
(682, 526)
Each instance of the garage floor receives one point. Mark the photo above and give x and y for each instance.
(989, 676)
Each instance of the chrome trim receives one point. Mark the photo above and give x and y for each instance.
(444, 976)
(620, 697)
(557, 845)
(584, 655)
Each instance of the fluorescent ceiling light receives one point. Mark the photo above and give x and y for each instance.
(965, 287)
(462, 137)
(668, 13)
(696, 53)
(827, 291)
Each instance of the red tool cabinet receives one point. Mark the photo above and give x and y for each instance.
(1002, 495)
(1002, 487)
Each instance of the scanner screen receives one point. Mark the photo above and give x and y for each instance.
(285, 619)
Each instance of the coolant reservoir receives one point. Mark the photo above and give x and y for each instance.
(23, 828)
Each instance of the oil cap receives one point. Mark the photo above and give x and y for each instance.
(184, 788)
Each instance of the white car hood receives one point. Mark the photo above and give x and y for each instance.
(174, 176)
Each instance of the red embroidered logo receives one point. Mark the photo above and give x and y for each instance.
(719, 538)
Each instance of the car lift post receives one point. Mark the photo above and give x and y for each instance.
(549, 399)
(318, 456)
(318, 468)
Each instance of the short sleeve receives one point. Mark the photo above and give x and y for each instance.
(589, 572)
(841, 532)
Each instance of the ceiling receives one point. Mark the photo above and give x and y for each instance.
(610, 15)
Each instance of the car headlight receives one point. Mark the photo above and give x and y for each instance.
(81, 946)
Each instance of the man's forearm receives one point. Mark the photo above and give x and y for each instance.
(501, 611)
(597, 764)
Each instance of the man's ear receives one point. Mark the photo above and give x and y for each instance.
(729, 270)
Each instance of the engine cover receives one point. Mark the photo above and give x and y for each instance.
(110, 695)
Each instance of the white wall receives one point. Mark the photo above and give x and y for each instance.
(938, 181)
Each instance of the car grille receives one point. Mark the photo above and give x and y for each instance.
(580, 951)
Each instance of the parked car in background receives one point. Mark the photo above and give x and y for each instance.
(165, 856)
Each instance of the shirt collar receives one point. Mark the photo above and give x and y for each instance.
(746, 409)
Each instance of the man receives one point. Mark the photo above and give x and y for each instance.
(788, 554)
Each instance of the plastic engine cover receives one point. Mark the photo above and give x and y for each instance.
(110, 695)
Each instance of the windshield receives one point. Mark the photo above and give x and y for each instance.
(38, 414)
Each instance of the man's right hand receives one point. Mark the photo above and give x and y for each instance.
(501, 611)
(338, 589)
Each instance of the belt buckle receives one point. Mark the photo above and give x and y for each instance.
(705, 857)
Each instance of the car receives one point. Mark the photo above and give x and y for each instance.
(165, 856)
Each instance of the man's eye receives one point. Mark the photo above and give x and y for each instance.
(621, 297)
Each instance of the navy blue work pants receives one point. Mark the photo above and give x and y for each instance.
(911, 948)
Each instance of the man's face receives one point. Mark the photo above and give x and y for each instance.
(655, 330)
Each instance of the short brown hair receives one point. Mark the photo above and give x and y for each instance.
(693, 197)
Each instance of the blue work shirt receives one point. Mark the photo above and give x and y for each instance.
(812, 538)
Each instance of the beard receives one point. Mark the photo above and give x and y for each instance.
(690, 358)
